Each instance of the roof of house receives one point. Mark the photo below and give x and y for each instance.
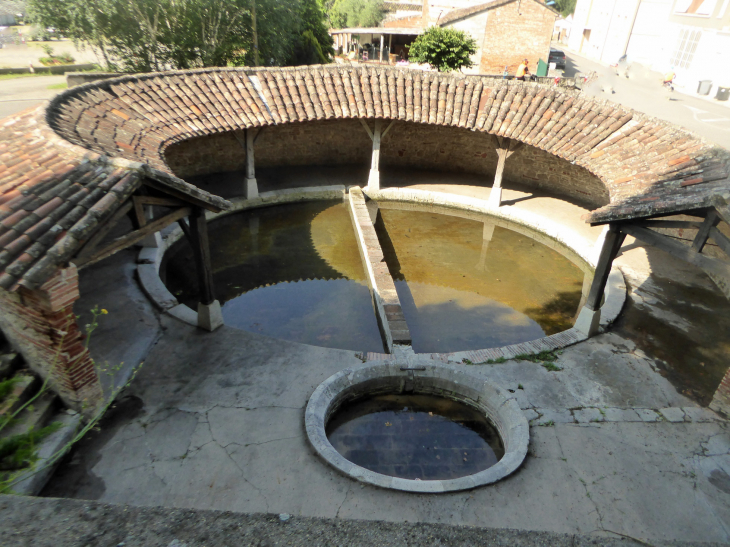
(55, 184)
(455, 15)
(54, 195)
(378, 30)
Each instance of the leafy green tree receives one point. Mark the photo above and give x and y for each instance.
(146, 35)
(565, 7)
(444, 49)
(356, 13)
(315, 44)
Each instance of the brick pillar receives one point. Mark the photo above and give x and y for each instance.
(41, 325)
(721, 400)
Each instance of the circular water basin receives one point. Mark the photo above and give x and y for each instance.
(464, 281)
(418, 428)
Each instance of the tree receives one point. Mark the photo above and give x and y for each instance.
(315, 45)
(146, 35)
(444, 49)
(565, 7)
(356, 13)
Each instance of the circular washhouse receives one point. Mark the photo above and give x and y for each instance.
(425, 381)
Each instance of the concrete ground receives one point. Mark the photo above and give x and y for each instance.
(643, 91)
(621, 444)
(17, 94)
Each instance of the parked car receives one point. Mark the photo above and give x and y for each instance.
(558, 57)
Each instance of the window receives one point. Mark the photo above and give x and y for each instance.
(686, 47)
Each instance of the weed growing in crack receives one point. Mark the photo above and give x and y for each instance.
(549, 423)
(21, 450)
(544, 358)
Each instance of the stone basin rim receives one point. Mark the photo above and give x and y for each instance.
(431, 378)
(150, 259)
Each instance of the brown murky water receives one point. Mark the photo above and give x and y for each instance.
(466, 284)
(294, 272)
(415, 437)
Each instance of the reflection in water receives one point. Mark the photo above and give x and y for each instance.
(415, 437)
(291, 271)
(466, 285)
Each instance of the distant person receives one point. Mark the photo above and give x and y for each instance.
(522, 71)
(669, 77)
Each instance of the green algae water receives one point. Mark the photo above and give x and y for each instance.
(415, 437)
(466, 284)
(290, 271)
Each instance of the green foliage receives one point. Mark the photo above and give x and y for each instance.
(444, 49)
(152, 35)
(6, 386)
(565, 7)
(18, 451)
(315, 45)
(355, 13)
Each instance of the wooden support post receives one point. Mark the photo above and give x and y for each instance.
(374, 178)
(381, 48)
(506, 148)
(590, 316)
(711, 220)
(201, 251)
(209, 309)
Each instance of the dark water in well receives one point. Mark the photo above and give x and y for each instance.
(466, 284)
(415, 437)
(291, 271)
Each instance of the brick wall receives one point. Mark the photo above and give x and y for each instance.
(475, 27)
(516, 31)
(423, 146)
(41, 325)
(332, 142)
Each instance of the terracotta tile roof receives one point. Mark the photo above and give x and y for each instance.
(54, 186)
(137, 117)
(54, 196)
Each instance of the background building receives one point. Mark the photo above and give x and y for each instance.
(693, 36)
(506, 31)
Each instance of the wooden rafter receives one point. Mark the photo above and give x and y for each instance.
(84, 260)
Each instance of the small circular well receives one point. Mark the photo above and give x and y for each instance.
(358, 399)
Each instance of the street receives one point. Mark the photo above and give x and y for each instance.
(17, 94)
(643, 91)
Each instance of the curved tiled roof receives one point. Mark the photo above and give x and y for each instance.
(137, 117)
(647, 165)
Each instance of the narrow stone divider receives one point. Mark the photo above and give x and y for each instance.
(392, 322)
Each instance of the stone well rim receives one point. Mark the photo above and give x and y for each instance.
(503, 411)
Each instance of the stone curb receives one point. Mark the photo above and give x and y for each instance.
(427, 377)
(585, 415)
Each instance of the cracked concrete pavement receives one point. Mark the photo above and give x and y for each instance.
(215, 421)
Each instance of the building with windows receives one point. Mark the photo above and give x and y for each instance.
(692, 36)
(506, 31)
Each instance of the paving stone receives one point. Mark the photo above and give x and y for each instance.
(621, 415)
(699, 414)
(530, 414)
(558, 416)
(672, 414)
(587, 415)
(648, 415)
